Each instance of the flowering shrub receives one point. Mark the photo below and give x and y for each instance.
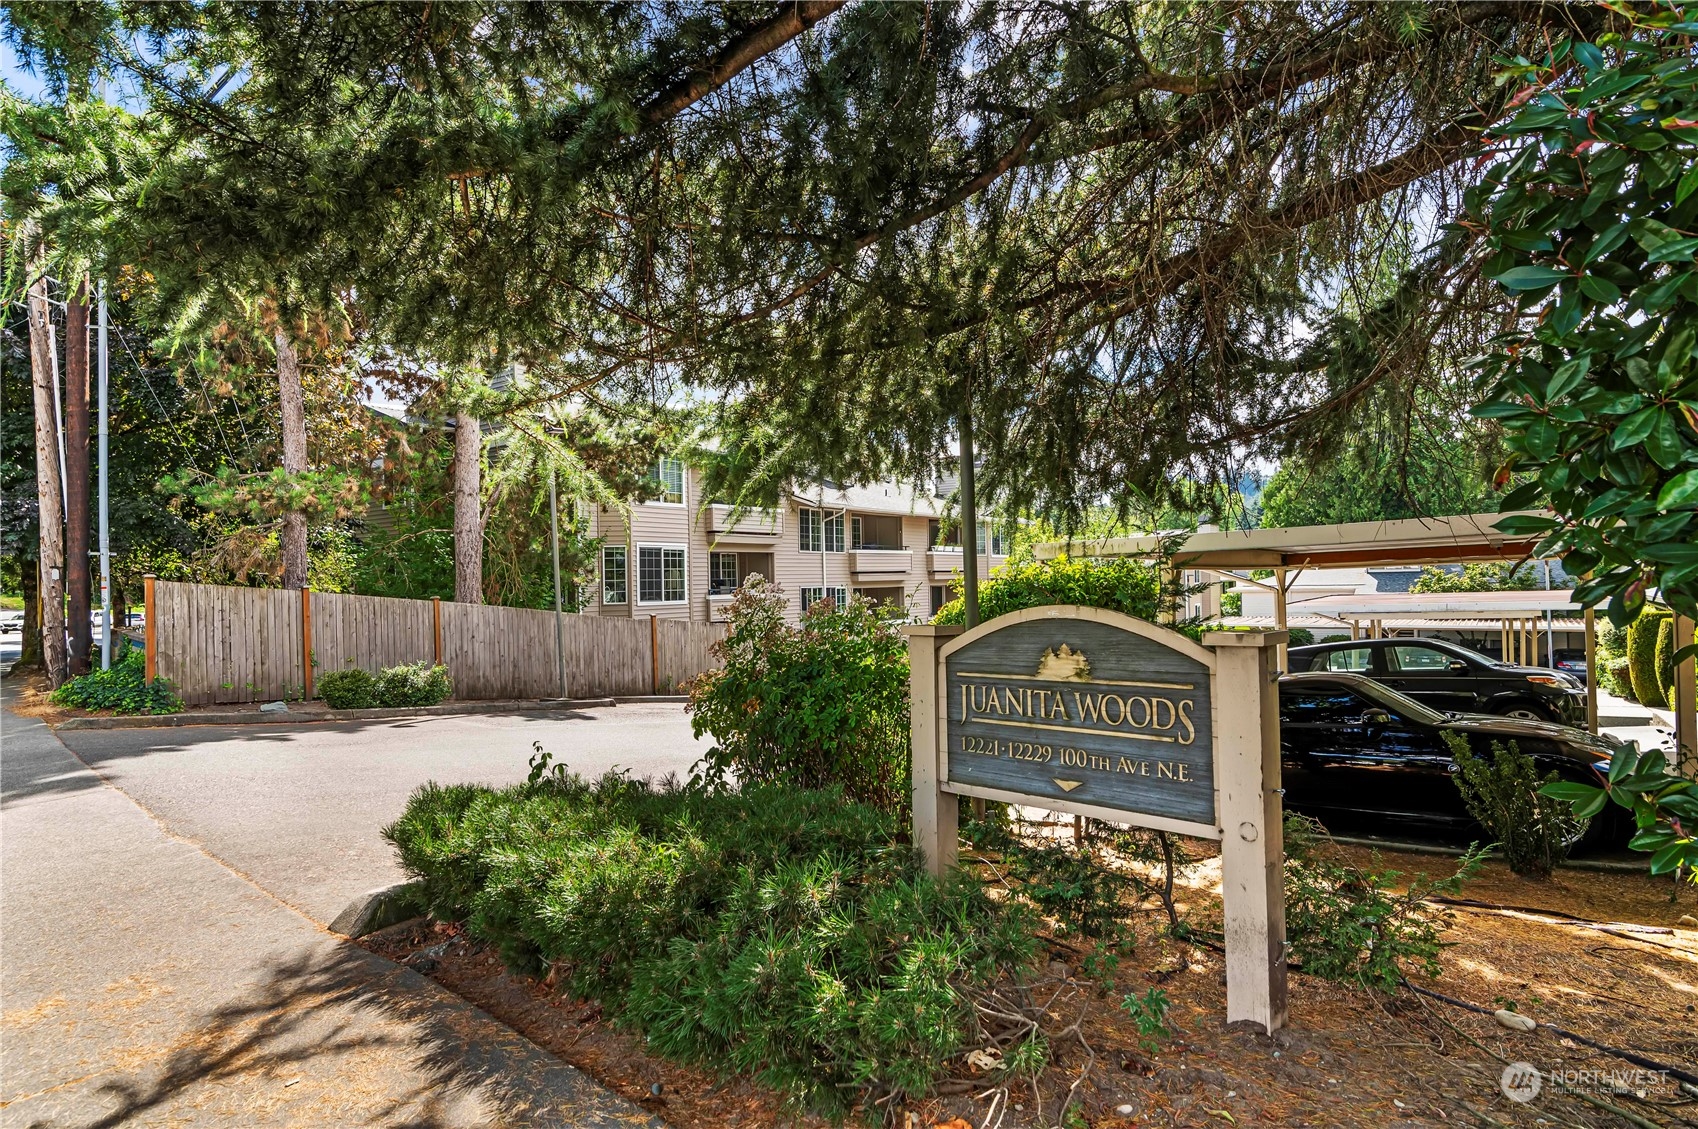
(820, 705)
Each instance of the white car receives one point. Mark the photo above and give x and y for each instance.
(11, 621)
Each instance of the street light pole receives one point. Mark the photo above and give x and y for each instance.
(105, 525)
(559, 623)
(969, 514)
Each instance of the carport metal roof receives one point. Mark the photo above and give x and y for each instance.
(1433, 540)
(1444, 605)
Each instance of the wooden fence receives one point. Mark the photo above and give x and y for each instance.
(222, 644)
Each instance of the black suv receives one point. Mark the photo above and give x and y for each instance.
(1452, 679)
(1354, 752)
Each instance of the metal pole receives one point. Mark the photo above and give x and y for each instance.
(105, 525)
(559, 624)
(969, 514)
(58, 420)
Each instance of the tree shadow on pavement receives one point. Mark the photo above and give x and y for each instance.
(344, 1037)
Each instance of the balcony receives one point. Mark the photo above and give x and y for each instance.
(764, 526)
(870, 564)
(942, 563)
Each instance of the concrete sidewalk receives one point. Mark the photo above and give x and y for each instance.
(144, 982)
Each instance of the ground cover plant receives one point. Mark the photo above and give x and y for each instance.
(784, 933)
(411, 684)
(124, 688)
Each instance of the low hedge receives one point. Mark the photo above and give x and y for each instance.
(783, 933)
(414, 684)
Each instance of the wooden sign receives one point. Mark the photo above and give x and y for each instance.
(1092, 712)
(1090, 715)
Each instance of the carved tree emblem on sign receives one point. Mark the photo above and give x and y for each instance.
(1064, 664)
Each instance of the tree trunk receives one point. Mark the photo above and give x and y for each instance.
(29, 648)
(77, 585)
(468, 518)
(294, 457)
(49, 488)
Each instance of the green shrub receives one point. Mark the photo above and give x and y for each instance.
(1667, 645)
(1347, 924)
(123, 688)
(1533, 831)
(1642, 657)
(1300, 637)
(351, 689)
(413, 684)
(1612, 640)
(820, 705)
(1614, 676)
(1120, 584)
(783, 933)
(1232, 603)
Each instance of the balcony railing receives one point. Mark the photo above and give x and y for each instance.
(763, 524)
(867, 563)
(947, 561)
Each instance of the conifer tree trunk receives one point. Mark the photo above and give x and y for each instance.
(294, 456)
(468, 518)
(77, 583)
(49, 489)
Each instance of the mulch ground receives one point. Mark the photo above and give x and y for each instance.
(1624, 974)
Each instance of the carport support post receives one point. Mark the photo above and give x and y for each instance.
(1685, 703)
(1591, 670)
(937, 814)
(1252, 846)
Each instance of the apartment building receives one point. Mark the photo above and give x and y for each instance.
(677, 558)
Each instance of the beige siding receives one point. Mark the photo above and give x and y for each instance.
(792, 569)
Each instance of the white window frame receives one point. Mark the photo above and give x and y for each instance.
(625, 576)
(663, 548)
(714, 559)
(838, 592)
(660, 477)
(808, 521)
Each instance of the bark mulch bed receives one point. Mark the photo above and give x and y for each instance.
(1601, 955)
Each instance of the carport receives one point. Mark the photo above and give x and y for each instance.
(1413, 541)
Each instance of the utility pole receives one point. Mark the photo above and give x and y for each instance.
(105, 522)
(77, 586)
(559, 623)
(969, 513)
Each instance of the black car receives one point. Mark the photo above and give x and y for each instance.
(1355, 753)
(1452, 678)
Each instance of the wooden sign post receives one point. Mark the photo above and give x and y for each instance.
(1096, 713)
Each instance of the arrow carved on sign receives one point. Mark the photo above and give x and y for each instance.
(1066, 785)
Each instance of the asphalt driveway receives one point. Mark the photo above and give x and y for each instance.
(299, 809)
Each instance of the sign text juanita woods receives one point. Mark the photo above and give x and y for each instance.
(1061, 728)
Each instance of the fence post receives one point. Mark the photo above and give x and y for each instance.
(150, 631)
(436, 625)
(654, 651)
(306, 644)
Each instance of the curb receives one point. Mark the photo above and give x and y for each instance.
(648, 699)
(303, 717)
(379, 909)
